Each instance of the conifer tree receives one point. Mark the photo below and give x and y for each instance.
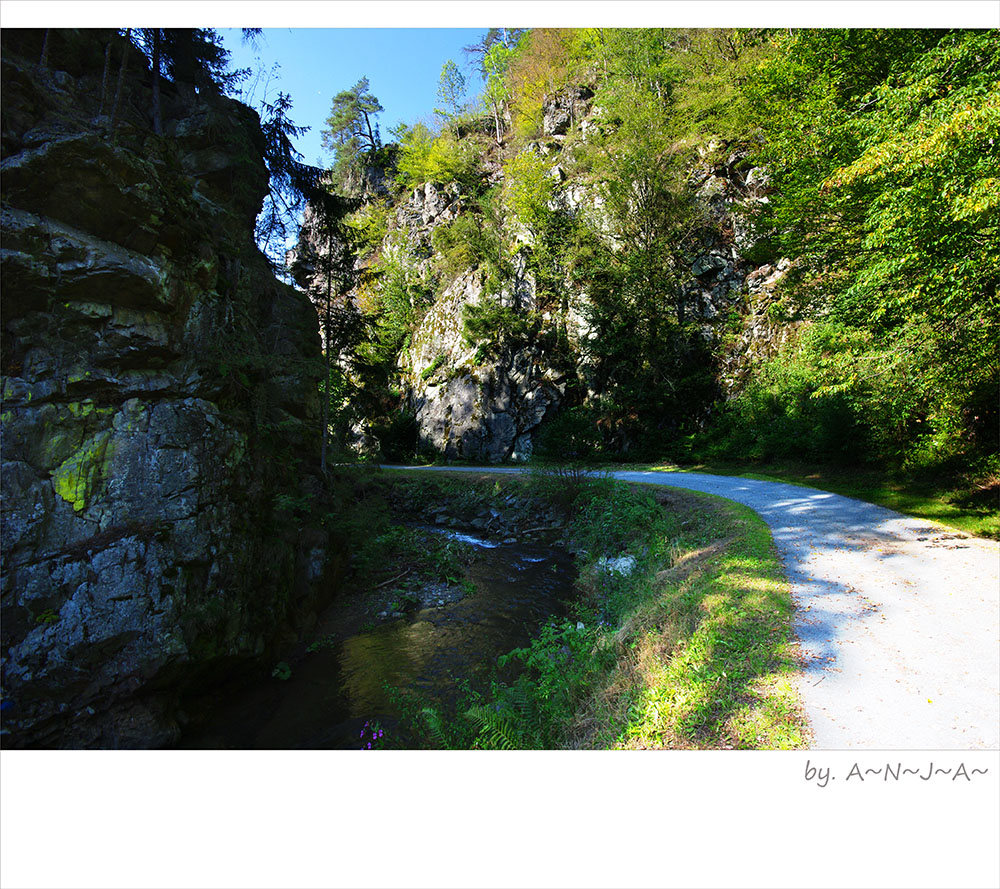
(352, 129)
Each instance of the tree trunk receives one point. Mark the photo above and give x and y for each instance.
(326, 350)
(496, 120)
(44, 60)
(121, 79)
(104, 79)
(157, 114)
(371, 135)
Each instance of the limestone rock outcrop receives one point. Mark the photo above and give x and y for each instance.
(487, 404)
(159, 404)
(468, 408)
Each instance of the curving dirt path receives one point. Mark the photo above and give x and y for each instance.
(898, 619)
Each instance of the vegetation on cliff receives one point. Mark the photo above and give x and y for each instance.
(869, 153)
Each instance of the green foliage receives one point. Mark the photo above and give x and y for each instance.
(617, 519)
(369, 225)
(531, 711)
(672, 661)
(881, 149)
(463, 245)
(716, 62)
(881, 145)
(382, 555)
(285, 198)
(451, 90)
(432, 368)
(496, 731)
(397, 435)
(352, 129)
(528, 188)
(395, 298)
(572, 436)
(652, 371)
(327, 643)
(839, 393)
(426, 156)
(496, 327)
(197, 57)
(496, 94)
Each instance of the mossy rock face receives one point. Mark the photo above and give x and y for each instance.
(159, 395)
(79, 477)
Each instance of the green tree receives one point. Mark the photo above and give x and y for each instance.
(426, 156)
(352, 131)
(451, 91)
(506, 37)
(882, 146)
(290, 180)
(195, 59)
(496, 93)
(328, 274)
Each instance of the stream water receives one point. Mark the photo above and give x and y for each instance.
(333, 692)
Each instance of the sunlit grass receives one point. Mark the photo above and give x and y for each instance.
(707, 660)
(943, 499)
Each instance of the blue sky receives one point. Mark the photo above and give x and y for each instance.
(403, 66)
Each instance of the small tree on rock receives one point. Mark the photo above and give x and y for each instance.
(352, 129)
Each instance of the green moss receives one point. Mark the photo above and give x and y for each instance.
(78, 477)
(83, 409)
(429, 371)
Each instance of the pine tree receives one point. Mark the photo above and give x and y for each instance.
(351, 129)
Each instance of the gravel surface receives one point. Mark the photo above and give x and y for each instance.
(898, 618)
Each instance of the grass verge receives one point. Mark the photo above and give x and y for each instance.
(706, 658)
(681, 637)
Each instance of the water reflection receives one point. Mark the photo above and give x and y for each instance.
(333, 692)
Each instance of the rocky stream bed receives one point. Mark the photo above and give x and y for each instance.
(379, 653)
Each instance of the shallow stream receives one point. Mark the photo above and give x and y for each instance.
(336, 693)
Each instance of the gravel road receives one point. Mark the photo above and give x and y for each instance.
(898, 618)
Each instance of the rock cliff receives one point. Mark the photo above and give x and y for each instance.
(159, 403)
(487, 405)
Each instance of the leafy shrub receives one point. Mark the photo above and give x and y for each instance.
(462, 245)
(557, 668)
(495, 325)
(528, 188)
(370, 224)
(396, 299)
(839, 394)
(397, 436)
(425, 156)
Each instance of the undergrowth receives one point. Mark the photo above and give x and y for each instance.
(681, 637)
